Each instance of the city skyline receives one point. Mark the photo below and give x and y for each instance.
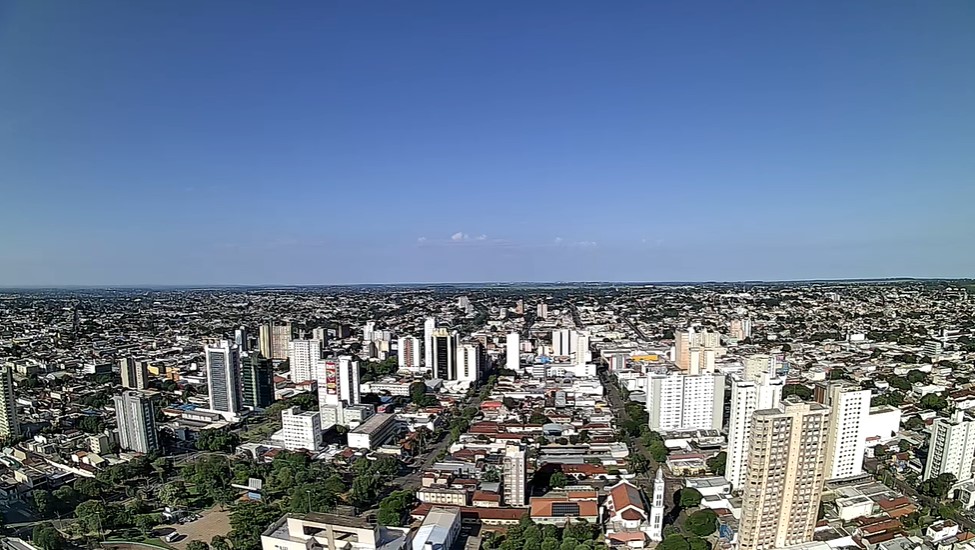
(345, 144)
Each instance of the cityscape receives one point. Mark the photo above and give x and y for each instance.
(756, 416)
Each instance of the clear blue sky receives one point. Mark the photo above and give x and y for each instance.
(344, 142)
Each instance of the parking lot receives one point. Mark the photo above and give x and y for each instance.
(212, 522)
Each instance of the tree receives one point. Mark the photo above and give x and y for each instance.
(394, 507)
(92, 515)
(674, 542)
(217, 441)
(538, 418)
(934, 402)
(937, 487)
(44, 503)
(558, 479)
(145, 522)
(550, 543)
(689, 497)
(161, 467)
(904, 445)
(491, 475)
(197, 545)
(880, 451)
(247, 521)
(47, 537)
(717, 463)
(173, 493)
(638, 463)
(697, 543)
(418, 393)
(219, 542)
(580, 530)
(88, 487)
(702, 523)
(798, 390)
(91, 424)
(900, 383)
(658, 451)
(915, 376)
(914, 423)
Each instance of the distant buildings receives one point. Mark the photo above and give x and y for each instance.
(135, 375)
(273, 340)
(9, 426)
(677, 401)
(786, 473)
(952, 447)
(515, 468)
(695, 352)
(429, 325)
(136, 422)
(257, 377)
(224, 378)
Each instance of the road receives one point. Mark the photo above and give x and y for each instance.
(640, 335)
(412, 479)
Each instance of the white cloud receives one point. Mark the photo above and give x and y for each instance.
(586, 244)
(459, 236)
(558, 240)
(482, 237)
(421, 240)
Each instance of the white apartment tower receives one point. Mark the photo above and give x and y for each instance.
(705, 345)
(349, 386)
(301, 430)
(136, 422)
(9, 426)
(469, 361)
(849, 411)
(135, 374)
(657, 507)
(747, 396)
(512, 352)
(224, 378)
(677, 401)
(429, 325)
(952, 448)
(563, 342)
(444, 354)
(408, 351)
(757, 365)
(786, 473)
(514, 479)
(303, 355)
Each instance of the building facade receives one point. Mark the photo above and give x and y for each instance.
(512, 352)
(136, 420)
(677, 401)
(301, 429)
(785, 477)
(303, 356)
(515, 469)
(952, 447)
(747, 396)
(444, 349)
(849, 411)
(223, 377)
(408, 353)
(135, 374)
(257, 378)
(9, 426)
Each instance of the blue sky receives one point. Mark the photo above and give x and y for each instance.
(344, 142)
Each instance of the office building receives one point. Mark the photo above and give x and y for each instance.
(444, 354)
(429, 325)
(349, 386)
(408, 350)
(367, 331)
(512, 352)
(264, 340)
(376, 430)
(223, 377)
(136, 422)
(849, 411)
(786, 473)
(301, 429)
(303, 356)
(320, 334)
(469, 361)
(9, 426)
(677, 401)
(952, 447)
(327, 375)
(563, 342)
(135, 374)
(542, 311)
(257, 378)
(515, 467)
(581, 352)
(280, 338)
(747, 396)
(240, 339)
(656, 531)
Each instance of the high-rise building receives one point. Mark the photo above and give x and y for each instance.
(223, 377)
(264, 340)
(469, 361)
(240, 339)
(301, 429)
(135, 374)
(677, 401)
(657, 507)
(258, 381)
(786, 473)
(512, 352)
(759, 364)
(408, 349)
(320, 334)
(515, 468)
(563, 342)
(280, 338)
(581, 352)
(303, 356)
(952, 448)
(349, 385)
(739, 329)
(136, 422)
(444, 354)
(327, 375)
(849, 411)
(367, 331)
(9, 426)
(687, 341)
(542, 311)
(429, 325)
(747, 396)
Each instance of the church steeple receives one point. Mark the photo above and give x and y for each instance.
(657, 507)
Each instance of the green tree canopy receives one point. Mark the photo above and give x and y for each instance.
(702, 523)
(717, 463)
(558, 479)
(689, 498)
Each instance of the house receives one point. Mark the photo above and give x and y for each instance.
(560, 511)
(627, 521)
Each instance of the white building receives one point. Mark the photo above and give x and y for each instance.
(563, 342)
(952, 447)
(429, 325)
(849, 408)
(301, 429)
(512, 352)
(136, 422)
(747, 396)
(677, 401)
(883, 423)
(408, 351)
(515, 465)
(303, 356)
(135, 374)
(349, 387)
(757, 365)
(469, 361)
(224, 378)
(439, 529)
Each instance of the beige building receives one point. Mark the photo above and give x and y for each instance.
(9, 426)
(785, 476)
(135, 374)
